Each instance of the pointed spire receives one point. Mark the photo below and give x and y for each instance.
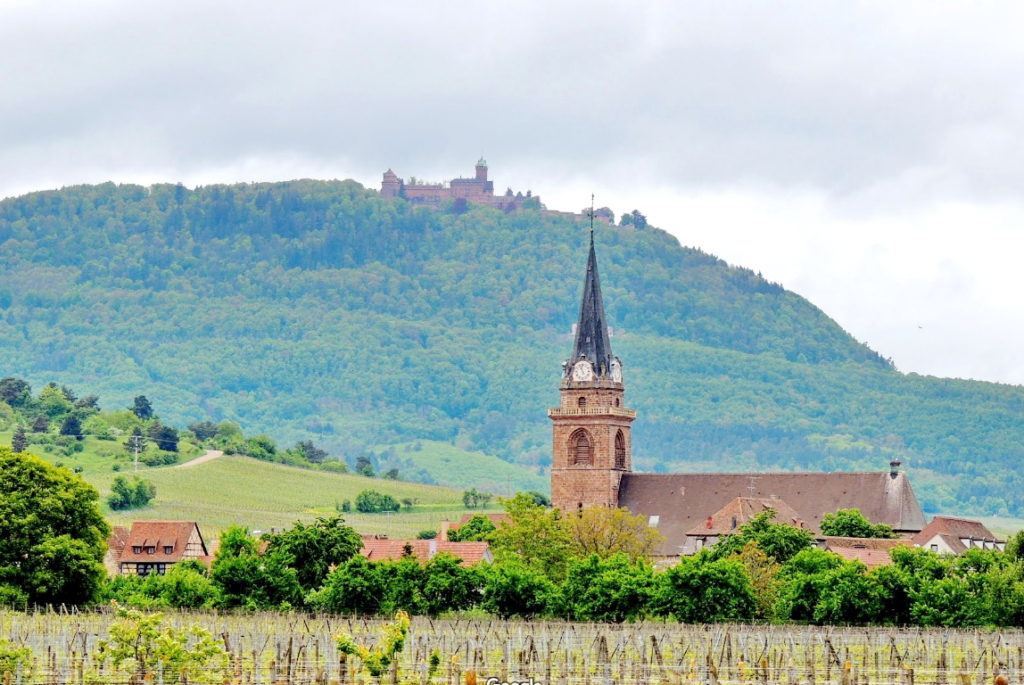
(592, 329)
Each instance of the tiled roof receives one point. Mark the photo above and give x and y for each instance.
(956, 528)
(117, 540)
(869, 557)
(740, 510)
(682, 501)
(381, 549)
(158, 535)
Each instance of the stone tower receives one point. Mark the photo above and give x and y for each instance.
(591, 429)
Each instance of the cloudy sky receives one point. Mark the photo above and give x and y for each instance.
(866, 155)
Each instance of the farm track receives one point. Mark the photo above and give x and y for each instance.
(299, 649)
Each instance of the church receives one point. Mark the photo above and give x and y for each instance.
(592, 460)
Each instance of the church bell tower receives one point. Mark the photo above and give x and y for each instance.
(591, 429)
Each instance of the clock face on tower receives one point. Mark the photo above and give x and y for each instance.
(583, 371)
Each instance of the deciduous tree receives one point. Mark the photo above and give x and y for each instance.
(52, 535)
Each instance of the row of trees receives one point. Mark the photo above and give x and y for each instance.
(574, 569)
(588, 567)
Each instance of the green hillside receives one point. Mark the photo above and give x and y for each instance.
(430, 461)
(261, 495)
(318, 310)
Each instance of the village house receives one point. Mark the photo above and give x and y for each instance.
(154, 547)
(951, 535)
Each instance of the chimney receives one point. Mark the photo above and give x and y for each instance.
(442, 534)
(432, 547)
(709, 524)
(894, 467)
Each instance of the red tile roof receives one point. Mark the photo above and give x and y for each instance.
(381, 549)
(159, 535)
(952, 529)
(117, 540)
(740, 510)
(871, 558)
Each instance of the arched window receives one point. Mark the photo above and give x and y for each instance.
(581, 448)
(581, 402)
(620, 450)
(616, 401)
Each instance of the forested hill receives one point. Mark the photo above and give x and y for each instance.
(317, 309)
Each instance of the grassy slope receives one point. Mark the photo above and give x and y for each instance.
(261, 495)
(446, 464)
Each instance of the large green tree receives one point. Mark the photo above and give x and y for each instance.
(851, 523)
(314, 549)
(52, 536)
(702, 589)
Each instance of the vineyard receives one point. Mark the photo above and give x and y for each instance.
(294, 649)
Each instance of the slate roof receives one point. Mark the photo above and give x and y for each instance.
(952, 530)
(740, 510)
(159, 534)
(382, 549)
(592, 328)
(682, 501)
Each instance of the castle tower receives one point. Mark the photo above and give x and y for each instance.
(591, 446)
(481, 169)
(390, 185)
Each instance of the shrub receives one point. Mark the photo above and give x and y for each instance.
(125, 495)
(372, 502)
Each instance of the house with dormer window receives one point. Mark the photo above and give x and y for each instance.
(154, 547)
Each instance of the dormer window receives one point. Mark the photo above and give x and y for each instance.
(168, 549)
(137, 549)
(150, 550)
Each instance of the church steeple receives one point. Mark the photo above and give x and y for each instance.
(592, 328)
(591, 444)
(592, 341)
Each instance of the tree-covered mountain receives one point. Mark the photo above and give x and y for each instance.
(315, 309)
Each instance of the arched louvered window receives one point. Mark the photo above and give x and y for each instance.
(581, 448)
(620, 450)
(581, 402)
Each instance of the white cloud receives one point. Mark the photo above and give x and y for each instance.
(864, 154)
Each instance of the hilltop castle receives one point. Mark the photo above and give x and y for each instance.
(478, 190)
(591, 464)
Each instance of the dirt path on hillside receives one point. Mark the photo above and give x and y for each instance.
(209, 456)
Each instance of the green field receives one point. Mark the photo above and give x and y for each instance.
(262, 495)
(236, 490)
(445, 464)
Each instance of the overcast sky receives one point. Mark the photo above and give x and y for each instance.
(866, 155)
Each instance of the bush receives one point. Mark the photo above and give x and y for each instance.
(513, 589)
(125, 495)
(373, 502)
(613, 589)
(701, 590)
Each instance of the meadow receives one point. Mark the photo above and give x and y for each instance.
(301, 649)
(259, 495)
